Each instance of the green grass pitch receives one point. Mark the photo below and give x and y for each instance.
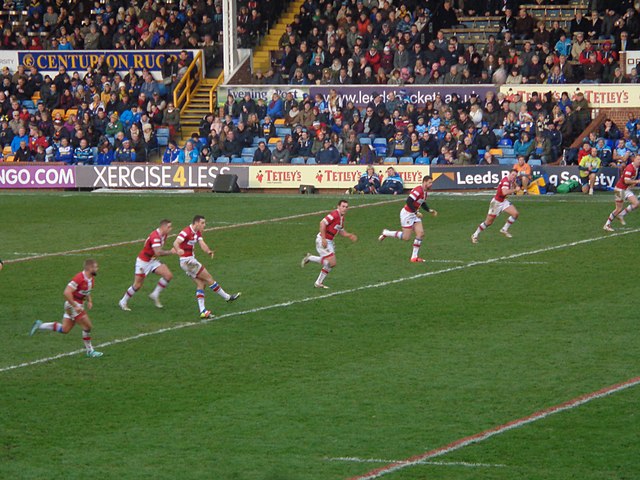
(291, 378)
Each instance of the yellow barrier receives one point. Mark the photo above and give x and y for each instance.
(186, 86)
(213, 93)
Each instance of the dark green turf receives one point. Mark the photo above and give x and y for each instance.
(387, 372)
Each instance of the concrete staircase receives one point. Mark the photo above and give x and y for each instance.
(262, 54)
(196, 109)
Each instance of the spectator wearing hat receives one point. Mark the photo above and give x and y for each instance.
(328, 154)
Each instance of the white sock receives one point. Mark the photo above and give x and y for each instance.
(481, 228)
(323, 273)
(53, 326)
(200, 299)
(508, 223)
(218, 289)
(128, 294)
(315, 259)
(416, 247)
(86, 338)
(162, 284)
(392, 233)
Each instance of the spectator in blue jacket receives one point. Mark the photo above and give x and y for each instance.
(275, 107)
(393, 184)
(328, 154)
(83, 154)
(65, 152)
(369, 182)
(191, 153)
(20, 137)
(125, 153)
(523, 146)
(172, 154)
(105, 155)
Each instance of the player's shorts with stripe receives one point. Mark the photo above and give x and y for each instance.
(496, 207)
(145, 268)
(191, 266)
(622, 195)
(408, 219)
(71, 312)
(327, 251)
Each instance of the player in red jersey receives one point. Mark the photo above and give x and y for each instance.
(184, 244)
(500, 204)
(411, 218)
(330, 226)
(77, 293)
(623, 193)
(147, 262)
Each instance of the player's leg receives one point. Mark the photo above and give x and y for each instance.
(165, 277)
(63, 327)
(386, 233)
(215, 286)
(592, 183)
(138, 281)
(417, 242)
(513, 216)
(328, 262)
(204, 313)
(314, 258)
(633, 204)
(85, 322)
(616, 212)
(483, 226)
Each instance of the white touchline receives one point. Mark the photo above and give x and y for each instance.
(480, 437)
(424, 462)
(39, 256)
(328, 295)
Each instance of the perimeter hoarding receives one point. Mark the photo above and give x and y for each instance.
(326, 176)
(360, 95)
(598, 96)
(156, 176)
(37, 176)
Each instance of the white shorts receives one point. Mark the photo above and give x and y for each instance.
(145, 268)
(327, 251)
(191, 266)
(71, 312)
(408, 219)
(622, 195)
(496, 207)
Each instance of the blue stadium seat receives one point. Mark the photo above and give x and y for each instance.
(381, 150)
(534, 162)
(423, 161)
(222, 159)
(507, 160)
(379, 141)
(365, 141)
(237, 160)
(405, 160)
(283, 131)
(391, 160)
(498, 132)
(344, 160)
(311, 161)
(507, 151)
(257, 140)
(297, 161)
(505, 142)
(248, 151)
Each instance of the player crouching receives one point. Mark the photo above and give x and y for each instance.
(77, 292)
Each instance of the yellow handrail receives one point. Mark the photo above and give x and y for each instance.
(183, 90)
(213, 92)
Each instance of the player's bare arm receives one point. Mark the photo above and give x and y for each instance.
(89, 302)
(68, 295)
(205, 248)
(323, 233)
(176, 246)
(351, 236)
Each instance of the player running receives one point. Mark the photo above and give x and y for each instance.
(500, 204)
(147, 262)
(78, 292)
(411, 218)
(183, 245)
(330, 226)
(623, 193)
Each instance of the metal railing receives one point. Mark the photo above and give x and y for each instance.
(186, 86)
(213, 93)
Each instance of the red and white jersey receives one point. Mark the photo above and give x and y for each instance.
(504, 184)
(154, 240)
(334, 223)
(82, 286)
(630, 172)
(418, 196)
(189, 238)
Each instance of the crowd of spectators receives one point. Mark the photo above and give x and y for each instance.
(369, 42)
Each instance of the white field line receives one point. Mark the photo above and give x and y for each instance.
(425, 462)
(505, 262)
(224, 227)
(329, 295)
(480, 437)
